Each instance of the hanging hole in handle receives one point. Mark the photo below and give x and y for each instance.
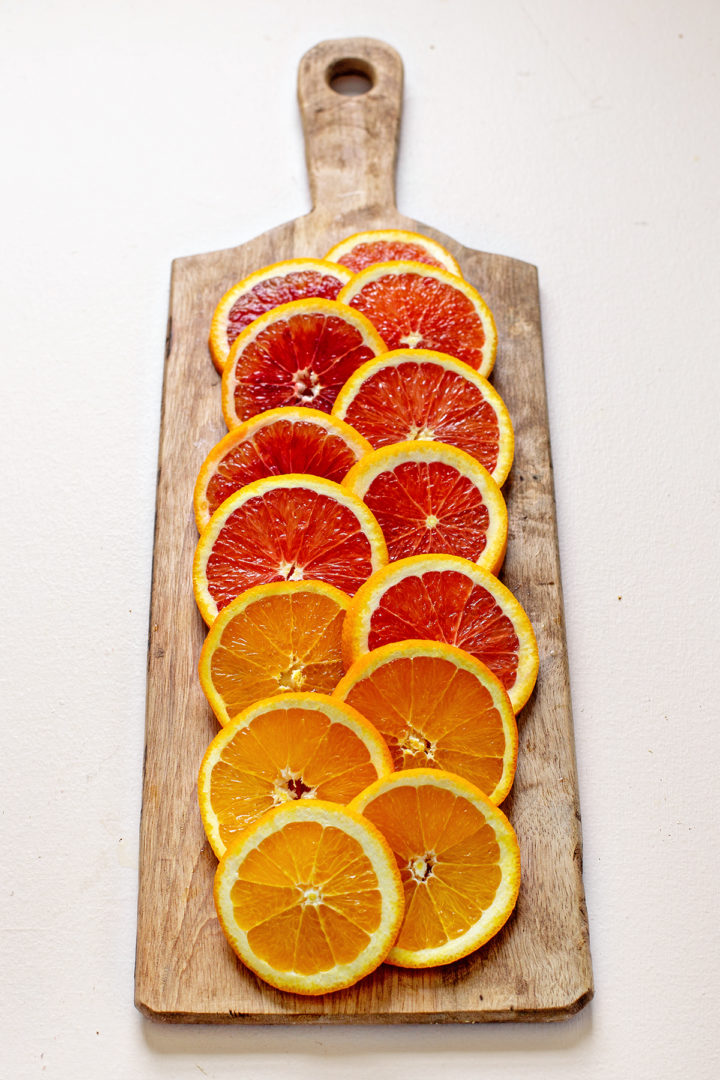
(351, 77)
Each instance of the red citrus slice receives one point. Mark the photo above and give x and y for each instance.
(296, 354)
(285, 528)
(290, 440)
(390, 245)
(280, 283)
(429, 497)
(424, 307)
(444, 598)
(421, 394)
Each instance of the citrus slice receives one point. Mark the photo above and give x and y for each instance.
(437, 707)
(271, 640)
(424, 307)
(285, 528)
(310, 897)
(445, 598)
(458, 858)
(429, 497)
(294, 746)
(421, 394)
(280, 283)
(297, 354)
(390, 245)
(290, 440)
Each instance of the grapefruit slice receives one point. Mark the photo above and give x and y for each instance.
(273, 639)
(279, 283)
(290, 440)
(390, 245)
(297, 354)
(285, 528)
(429, 497)
(445, 598)
(414, 306)
(422, 394)
(437, 707)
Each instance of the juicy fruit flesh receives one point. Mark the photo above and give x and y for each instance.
(429, 507)
(302, 360)
(284, 446)
(279, 643)
(448, 606)
(288, 534)
(448, 857)
(425, 401)
(376, 251)
(308, 898)
(267, 294)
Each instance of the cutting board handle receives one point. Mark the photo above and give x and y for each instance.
(351, 141)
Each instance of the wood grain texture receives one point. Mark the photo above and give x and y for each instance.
(538, 967)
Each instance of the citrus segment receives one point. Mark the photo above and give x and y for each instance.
(296, 354)
(458, 857)
(429, 497)
(446, 598)
(437, 707)
(273, 639)
(279, 283)
(290, 440)
(385, 245)
(310, 897)
(285, 528)
(424, 307)
(422, 394)
(293, 746)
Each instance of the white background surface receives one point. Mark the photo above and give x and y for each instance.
(582, 137)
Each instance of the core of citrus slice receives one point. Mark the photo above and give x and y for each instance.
(414, 306)
(271, 640)
(310, 897)
(296, 354)
(285, 528)
(430, 497)
(421, 394)
(390, 245)
(279, 283)
(445, 598)
(293, 746)
(458, 857)
(290, 440)
(437, 707)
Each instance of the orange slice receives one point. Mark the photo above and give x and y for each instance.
(285, 528)
(445, 598)
(423, 307)
(421, 394)
(294, 746)
(280, 283)
(429, 497)
(271, 640)
(458, 858)
(437, 707)
(297, 354)
(290, 440)
(390, 245)
(310, 897)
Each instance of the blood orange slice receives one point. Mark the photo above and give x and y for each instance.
(445, 598)
(297, 354)
(285, 528)
(390, 245)
(424, 307)
(280, 283)
(421, 394)
(429, 497)
(290, 440)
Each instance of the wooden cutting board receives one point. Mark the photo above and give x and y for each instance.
(538, 967)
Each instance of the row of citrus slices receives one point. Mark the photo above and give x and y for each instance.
(363, 660)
